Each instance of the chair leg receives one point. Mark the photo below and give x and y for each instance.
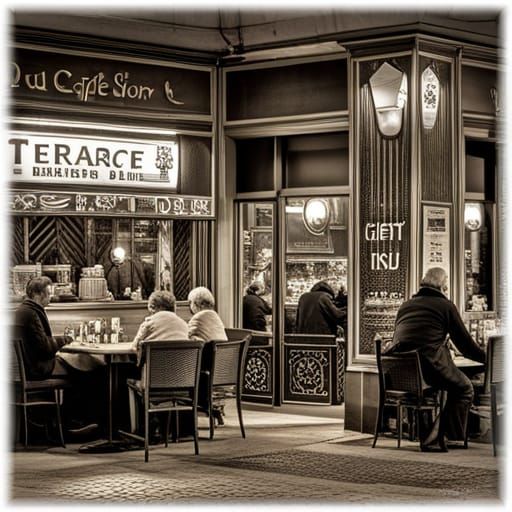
(146, 433)
(177, 425)
(494, 419)
(59, 419)
(399, 421)
(25, 424)
(239, 408)
(210, 417)
(378, 423)
(196, 444)
(167, 428)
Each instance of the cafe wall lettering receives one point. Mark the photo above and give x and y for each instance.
(37, 202)
(58, 77)
(64, 160)
(381, 232)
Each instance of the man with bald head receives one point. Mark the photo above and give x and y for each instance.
(423, 323)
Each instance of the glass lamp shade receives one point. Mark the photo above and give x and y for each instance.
(473, 216)
(316, 215)
(389, 92)
(430, 91)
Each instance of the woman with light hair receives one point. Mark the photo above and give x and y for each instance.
(205, 323)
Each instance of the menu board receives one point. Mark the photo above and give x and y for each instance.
(436, 238)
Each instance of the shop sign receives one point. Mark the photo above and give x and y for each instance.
(37, 202)
(98, 80)
(60, 160)
(384, 232)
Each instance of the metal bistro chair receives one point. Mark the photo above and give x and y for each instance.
(401, 385)
(493, 385)
(226, 370)
(170, 382)
(31, 393)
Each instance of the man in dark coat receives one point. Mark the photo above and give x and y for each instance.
(254, 308)
(423, 323)
(316, 313)
(40, 349)
(32, 326)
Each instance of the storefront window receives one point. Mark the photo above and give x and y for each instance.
(478, 256)
(316, 249)
(256, 222)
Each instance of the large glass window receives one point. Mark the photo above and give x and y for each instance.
(257, 258)
(316, 250)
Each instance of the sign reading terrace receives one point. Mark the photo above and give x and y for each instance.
(57, 159)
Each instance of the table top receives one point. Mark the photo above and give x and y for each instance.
(464, 362)
(95, 348)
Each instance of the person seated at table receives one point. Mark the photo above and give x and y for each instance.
(163, 324)
(206, 325)
(255, 308)
(44, 361)
(422, 324)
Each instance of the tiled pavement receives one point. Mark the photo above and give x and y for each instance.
(280, 462)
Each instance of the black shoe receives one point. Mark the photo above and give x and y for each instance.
(217, 415)
(84, 429)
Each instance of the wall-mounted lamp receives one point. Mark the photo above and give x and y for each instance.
(389, 90)
(430, 92)
(316, 215)
(473, 216)
(117, 256)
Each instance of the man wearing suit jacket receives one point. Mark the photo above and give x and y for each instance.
(423, 323)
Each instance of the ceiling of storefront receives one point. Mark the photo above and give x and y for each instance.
(235, 32)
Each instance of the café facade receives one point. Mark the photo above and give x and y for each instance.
(136, 167)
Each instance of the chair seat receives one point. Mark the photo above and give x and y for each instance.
(40, 385)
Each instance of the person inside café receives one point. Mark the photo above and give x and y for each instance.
(162, 324)
(206, 325)
(423, 324)
(44, 361)
(255, 308)
(317, 313)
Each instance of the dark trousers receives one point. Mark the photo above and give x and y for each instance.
(440, 372)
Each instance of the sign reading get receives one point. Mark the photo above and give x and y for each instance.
(57, 159)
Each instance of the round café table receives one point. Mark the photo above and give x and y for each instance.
(113, 353)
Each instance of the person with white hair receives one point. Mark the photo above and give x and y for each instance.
(205, 323)
(423, 324)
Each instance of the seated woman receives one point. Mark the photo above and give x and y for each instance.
(163, 324)
(206, 325)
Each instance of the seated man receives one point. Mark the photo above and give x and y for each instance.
(423, 323)
(206, 325)
(163, 324)
(40, 348)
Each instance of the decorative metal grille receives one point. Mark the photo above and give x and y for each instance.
(436, 151)
(258, 372)
(57, 240)
(17, 241)
(182, 231)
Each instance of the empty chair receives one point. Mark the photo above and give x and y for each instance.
(401, 385)
(226, 369)
(34, 393)
(493, 385)
(170, 382)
